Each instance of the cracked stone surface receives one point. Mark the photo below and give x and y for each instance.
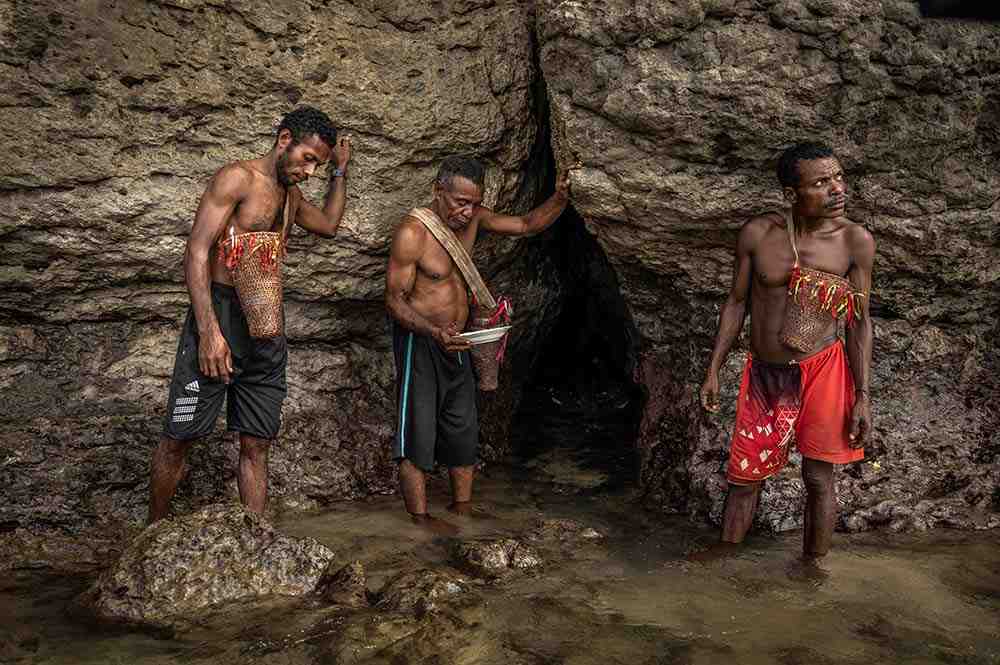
(178, 569)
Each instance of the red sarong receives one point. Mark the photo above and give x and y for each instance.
(809, 400)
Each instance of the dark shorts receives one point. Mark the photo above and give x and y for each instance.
(436, 397)
(256, 388)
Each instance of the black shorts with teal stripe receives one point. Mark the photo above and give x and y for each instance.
(256, 388)
(436, 417)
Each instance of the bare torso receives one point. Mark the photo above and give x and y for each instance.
(259, 210)
(439, 293)
(826, 249)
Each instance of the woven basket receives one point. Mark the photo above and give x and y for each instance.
(815, 299)
(254, 261)
(487, 358)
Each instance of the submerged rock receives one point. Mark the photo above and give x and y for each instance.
(494, 558)
(565, 530)
(180, 567)
(346, 587)
(419, 591)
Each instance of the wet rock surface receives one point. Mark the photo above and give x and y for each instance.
(420, 591)
(493, 558)
(678, 111)
(346, 587)
(616, 587)
(177, 569)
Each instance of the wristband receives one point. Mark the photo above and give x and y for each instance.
(339, 173)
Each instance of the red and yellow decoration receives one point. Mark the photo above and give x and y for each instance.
(267, 245)
(830, 292)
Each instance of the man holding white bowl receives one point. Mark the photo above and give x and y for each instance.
(428, 300)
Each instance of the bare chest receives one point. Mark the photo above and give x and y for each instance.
(436, 263)
(261, 211)
(773, 261)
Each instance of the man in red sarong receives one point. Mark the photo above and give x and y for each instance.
(808, 388)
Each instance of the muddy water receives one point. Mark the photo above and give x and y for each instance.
(630, 597)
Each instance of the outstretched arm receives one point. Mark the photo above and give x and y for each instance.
(400, 278)
(535, 221)
(224, 192)
(733, 312)
(859, 335)
(325, 222)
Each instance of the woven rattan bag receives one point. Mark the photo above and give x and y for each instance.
(488, 357)
(254, 261)
(814, 299)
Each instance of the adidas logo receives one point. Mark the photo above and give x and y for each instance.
(193, 387)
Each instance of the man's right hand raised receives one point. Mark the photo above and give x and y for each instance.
(214, 359)
(449, 340)
(710, 393)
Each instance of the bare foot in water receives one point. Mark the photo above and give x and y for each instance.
(807, 569)
(467, 509)
(715, 552)
(434, 525)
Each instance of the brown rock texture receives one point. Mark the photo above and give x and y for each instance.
(118, 113)
(494, 557)
(678, 111)
(178, 569)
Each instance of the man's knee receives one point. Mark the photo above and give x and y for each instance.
(253, 448)
(743, 490)
(172, 450)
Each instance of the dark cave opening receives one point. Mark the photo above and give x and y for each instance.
(581, 400)
(973, 9)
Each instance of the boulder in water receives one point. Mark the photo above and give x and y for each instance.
(495, 558)
(181, 567)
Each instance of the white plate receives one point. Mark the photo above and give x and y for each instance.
(484, 336)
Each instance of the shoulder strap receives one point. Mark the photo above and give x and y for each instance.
(458, 254)
(790, 225)
(285, 221)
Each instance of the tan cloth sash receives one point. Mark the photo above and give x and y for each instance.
(458, 253)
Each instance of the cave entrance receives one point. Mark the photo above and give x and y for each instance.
(578, 416)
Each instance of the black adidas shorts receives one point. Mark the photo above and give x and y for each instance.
(256, 388)
(436, 397)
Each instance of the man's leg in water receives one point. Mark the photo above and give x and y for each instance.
(461, 489)
(741, 504)
(821, 507)
(252, 475)
(413, 485)
(167, 468)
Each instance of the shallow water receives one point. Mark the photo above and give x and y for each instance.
(631, 597)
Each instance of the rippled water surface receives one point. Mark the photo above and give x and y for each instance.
(630, 598)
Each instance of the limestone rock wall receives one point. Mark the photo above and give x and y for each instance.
(116, 114)
(678, 111)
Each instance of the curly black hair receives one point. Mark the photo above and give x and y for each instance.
(306, 121)
(788, 163)
(464, 167)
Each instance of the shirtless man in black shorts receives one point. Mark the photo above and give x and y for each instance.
(217, 360)
(428, 301)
